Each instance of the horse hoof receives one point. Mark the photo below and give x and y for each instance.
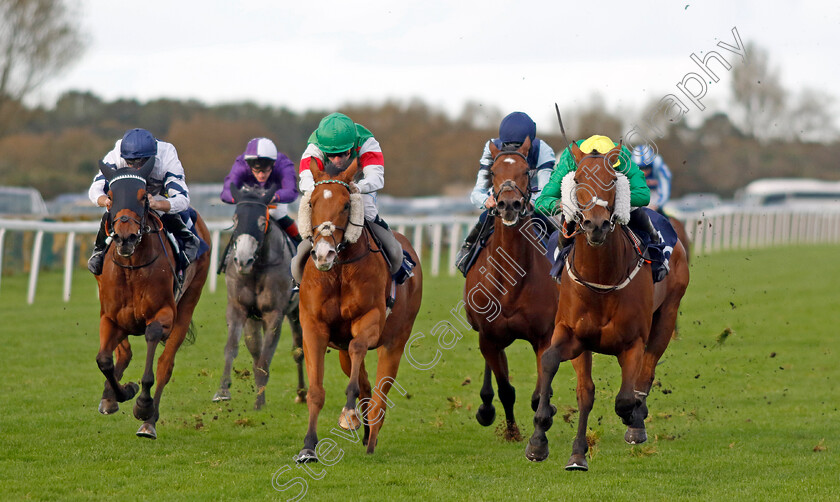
(131, 389)
(147, 430)
(635, 435)
(221, 395)
(301, 396)
(259, 404)
(577, 463)
(306, 455)
(536, 453)
(108, 406)
(349, 420)
(486, 414)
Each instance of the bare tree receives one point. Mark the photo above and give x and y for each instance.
(811, 116)
(759, 95)
(38, 39)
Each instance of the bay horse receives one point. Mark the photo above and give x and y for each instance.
(259, 291)
(512, 269)
(343, 305)
(136, 295)
(608, 304)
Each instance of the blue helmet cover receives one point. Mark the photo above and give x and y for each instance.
(138, 143)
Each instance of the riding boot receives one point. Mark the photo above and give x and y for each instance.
(299, 260)
(100, 247)
(466, 248)
(290, 227)
(189, 242)
(390, 244)
(641, 220)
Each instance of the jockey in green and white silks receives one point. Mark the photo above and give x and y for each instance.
(549, 201)
(333, 146)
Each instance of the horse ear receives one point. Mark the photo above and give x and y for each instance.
(577, 153)
(107, 170)
(494, 151)
(526, 146)
(269, 193)
(317, 174)
(615, 156)
(348, 174)
(235, 192)
(147, 168)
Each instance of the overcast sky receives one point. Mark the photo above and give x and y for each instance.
(522, 55)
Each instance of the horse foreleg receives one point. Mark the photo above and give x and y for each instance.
(387, 366)
(314, 348)
(486, 413)
(626, 400)
(235, 323)
(364, 330)
(297, 354)
(144, 408)
(585, 391)
(497, 360)
(563, 347)
(112, 339)
(165, 364)
(272, 324)
(349, 419)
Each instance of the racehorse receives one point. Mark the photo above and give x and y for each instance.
(514, 270)
(259, 291)
(136, 294)
(343, 305)
(608, 304)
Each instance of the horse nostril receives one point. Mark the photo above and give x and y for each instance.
(517, 205)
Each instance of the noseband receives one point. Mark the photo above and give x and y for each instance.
(327, 228)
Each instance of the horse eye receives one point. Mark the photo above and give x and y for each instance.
(346, 206)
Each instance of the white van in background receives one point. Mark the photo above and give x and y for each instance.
(790, 192)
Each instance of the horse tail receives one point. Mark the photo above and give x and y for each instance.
(189, 339)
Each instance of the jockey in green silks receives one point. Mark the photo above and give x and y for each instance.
(548, 203)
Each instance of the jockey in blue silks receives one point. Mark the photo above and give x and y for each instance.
(513, 130)
(657, 175)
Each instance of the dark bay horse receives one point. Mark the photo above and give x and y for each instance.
(343, 305)
(136, 295)
(515, 272)
(259, 291)
(608, 304)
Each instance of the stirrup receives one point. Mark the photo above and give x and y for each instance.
(96, 261)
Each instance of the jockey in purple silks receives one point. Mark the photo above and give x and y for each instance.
(261, 165)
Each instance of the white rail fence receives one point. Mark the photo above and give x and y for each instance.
(710, 232)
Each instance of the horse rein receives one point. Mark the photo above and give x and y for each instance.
(606, 288)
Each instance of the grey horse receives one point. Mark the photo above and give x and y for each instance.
(259, 291)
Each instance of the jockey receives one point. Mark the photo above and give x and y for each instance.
(333, 146)
(657, 175)
(260, 165)
(512, 133)
(166, 189)
(549, 201)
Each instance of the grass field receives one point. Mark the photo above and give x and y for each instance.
(751, 416)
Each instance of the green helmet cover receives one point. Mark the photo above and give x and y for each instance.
(336, 133)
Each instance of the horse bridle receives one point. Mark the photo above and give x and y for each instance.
(330, 230)
(595, 201)
(511, 185)
(266, 230)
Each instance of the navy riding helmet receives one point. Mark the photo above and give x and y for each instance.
(516, 127)
(138, 143)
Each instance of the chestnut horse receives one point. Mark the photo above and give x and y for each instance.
(136, 295)
(259, 291)
(343, 305)
(608, 304)
(514, 271)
